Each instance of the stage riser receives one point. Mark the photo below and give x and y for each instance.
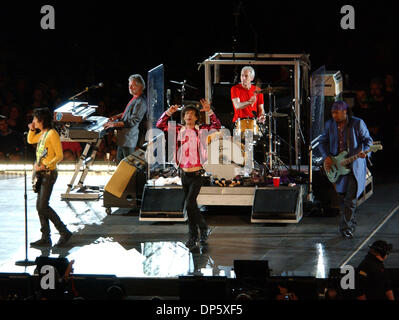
(269, 203)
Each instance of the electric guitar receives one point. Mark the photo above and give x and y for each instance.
(36, 179)
(340, 162)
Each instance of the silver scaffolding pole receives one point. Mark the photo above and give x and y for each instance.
(218, 60)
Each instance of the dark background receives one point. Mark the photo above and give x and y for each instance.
(107, 41)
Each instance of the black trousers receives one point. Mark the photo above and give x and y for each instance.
(192, 182)
(46, 213)
(348, 205)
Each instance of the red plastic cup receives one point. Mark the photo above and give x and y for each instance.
(276, 181)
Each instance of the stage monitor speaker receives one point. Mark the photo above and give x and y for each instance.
(251, 269)
(278, 204)
(304, 287)
(96, 286)
(126, 184)
(15, 286)
(194, 288)
(163, 204)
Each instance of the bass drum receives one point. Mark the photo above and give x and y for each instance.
(226, 157)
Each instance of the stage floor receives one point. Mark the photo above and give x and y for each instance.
(121, 245)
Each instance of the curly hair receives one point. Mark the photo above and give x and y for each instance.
(44, 115)
(187, 108)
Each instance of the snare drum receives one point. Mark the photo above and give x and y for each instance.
(243, 124)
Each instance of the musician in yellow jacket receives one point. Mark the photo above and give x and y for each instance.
(48, 154)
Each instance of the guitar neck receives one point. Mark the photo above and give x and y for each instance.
(353, 158)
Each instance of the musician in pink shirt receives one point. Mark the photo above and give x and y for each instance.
(190, 158)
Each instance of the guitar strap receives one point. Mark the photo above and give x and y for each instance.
(40, 146)
(347, 134)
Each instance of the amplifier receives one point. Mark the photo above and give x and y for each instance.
(277, 205)
(163, 204)
(126, 185)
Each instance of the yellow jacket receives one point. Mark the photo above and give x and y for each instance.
(53, 146)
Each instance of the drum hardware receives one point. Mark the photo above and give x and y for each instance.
(182, 91)
(272, 158)
(279, 115)
(273, 90)
(297, 121)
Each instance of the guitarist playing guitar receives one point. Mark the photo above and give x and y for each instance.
(48, 144)
(346, 133)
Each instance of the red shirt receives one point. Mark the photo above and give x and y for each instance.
(75, 147)
(238, 91)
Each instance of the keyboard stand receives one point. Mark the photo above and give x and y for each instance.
(80, 191)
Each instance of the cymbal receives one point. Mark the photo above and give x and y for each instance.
(278, 115)
(183, 83)
(273, 90)
(194, 102)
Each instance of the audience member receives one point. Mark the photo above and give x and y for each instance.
(373, 282)
(15, 120)
(11, 142)
(68, 155)
(38, 99)
(74, 147)
(285, 294)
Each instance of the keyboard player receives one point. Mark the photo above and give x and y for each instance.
(127, 123)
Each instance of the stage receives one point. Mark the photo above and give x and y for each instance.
(121, 245)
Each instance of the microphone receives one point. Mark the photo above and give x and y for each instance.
(168, 94)
(152, 140)
(96, 86)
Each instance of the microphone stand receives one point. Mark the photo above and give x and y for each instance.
(298, 124)
(26, 262)
(79, 94)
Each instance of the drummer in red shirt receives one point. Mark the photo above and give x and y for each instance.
(246, 102)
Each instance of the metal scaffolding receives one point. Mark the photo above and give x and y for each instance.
(218, 60)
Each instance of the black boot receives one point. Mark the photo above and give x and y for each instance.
(64, 238)
(43, 242)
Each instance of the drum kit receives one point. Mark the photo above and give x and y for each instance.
(263, 133)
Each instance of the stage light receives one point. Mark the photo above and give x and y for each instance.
(62, 167)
